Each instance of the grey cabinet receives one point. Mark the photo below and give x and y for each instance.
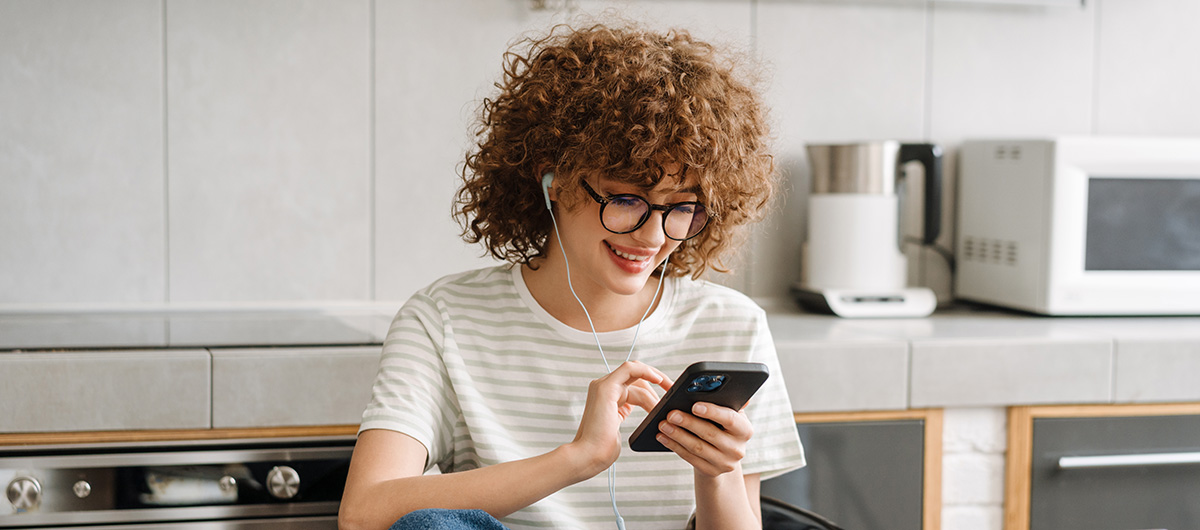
(1105, 468)
(868, 474)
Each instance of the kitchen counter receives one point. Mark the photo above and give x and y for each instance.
(968, 358)
(204, 369)
(197, 327)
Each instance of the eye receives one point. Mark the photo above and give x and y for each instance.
(625, 201)
(688, 209)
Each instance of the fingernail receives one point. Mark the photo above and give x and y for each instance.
(700, 408)
(666, 428)
(675, 417)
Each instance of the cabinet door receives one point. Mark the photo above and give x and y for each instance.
(864, 475)
(1115, 473)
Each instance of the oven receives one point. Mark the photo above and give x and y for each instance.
(221, 484)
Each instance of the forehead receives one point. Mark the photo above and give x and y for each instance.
(668, 183)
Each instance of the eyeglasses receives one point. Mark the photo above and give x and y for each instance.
(622, 214)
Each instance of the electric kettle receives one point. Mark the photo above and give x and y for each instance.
(853, 255)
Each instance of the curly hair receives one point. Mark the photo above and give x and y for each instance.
(621, 102)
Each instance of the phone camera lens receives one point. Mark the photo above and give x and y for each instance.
(706, 383)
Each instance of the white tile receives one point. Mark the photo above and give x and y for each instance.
(104, 390)
(431, 76)
(841, 72)
(292, 386)
(973, 479)
(1150, 370)
(1148, 78)
(268, 136)
(824, 376)
(967, 373)
(81, 152)
(974, 430)
(1011, 70)
(972, 517)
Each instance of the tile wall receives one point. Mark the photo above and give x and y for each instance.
(269, 151)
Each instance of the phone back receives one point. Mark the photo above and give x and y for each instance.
(728, 384)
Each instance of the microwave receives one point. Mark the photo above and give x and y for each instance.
(1080, 225)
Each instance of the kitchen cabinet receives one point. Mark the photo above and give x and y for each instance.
(1119, 467)
(868, 470)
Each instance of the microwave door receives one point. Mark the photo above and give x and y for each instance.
(1142, 224)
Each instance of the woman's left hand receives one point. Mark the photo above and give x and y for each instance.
(710, 449)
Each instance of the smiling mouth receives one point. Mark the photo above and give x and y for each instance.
(629, 257)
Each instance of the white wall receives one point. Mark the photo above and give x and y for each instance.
(274, 151)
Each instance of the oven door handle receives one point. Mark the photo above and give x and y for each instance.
(1134, 460)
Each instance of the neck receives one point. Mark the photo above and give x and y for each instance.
(609, 311)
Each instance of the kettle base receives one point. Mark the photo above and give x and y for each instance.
(912, 302)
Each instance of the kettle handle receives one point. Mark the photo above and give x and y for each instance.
(930, 156)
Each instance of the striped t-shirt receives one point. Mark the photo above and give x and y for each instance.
(479, 373)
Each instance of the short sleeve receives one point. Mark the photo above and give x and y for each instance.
(412, 393)
(775, 447)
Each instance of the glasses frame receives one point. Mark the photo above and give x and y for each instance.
(664, 208)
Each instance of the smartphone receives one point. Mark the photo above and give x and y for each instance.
(725, 384)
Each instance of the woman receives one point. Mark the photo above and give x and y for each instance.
(615, 166)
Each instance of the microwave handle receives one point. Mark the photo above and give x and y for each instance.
(930, 157)
(1135, 460)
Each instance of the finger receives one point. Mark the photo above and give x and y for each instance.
(692, 450)
(730, 444)
(732, 421)
(642, 397)
(631, 372)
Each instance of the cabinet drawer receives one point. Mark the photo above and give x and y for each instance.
(104, 390)
(1120, 473)
(262, 387)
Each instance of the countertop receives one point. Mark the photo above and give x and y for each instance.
(308, 366)
(970, 357)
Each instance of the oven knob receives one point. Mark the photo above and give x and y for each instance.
(25, 494)
(283, 482)
(82, 489)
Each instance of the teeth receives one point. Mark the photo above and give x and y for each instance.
(629, 257)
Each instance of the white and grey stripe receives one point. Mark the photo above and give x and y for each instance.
(480, 374)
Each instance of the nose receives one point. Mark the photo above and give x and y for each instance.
(651, 232)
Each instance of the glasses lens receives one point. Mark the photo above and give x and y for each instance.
(685, 221)
(624, 213)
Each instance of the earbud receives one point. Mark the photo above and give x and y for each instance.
(547, 179)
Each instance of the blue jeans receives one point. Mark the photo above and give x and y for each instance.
(437, 519)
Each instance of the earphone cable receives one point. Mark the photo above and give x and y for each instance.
(612, 473)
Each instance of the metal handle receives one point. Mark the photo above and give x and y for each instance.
(1150, 459)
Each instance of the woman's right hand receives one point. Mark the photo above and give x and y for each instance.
(610, 400)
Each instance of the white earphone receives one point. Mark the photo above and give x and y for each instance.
(547, 180)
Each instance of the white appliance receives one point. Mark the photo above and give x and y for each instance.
(1081, 225)
(854, 263)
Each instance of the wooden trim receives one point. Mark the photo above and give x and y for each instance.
(931, 509)
(931, 506)
(1019, 461)
(56, 438)
(880, 415)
